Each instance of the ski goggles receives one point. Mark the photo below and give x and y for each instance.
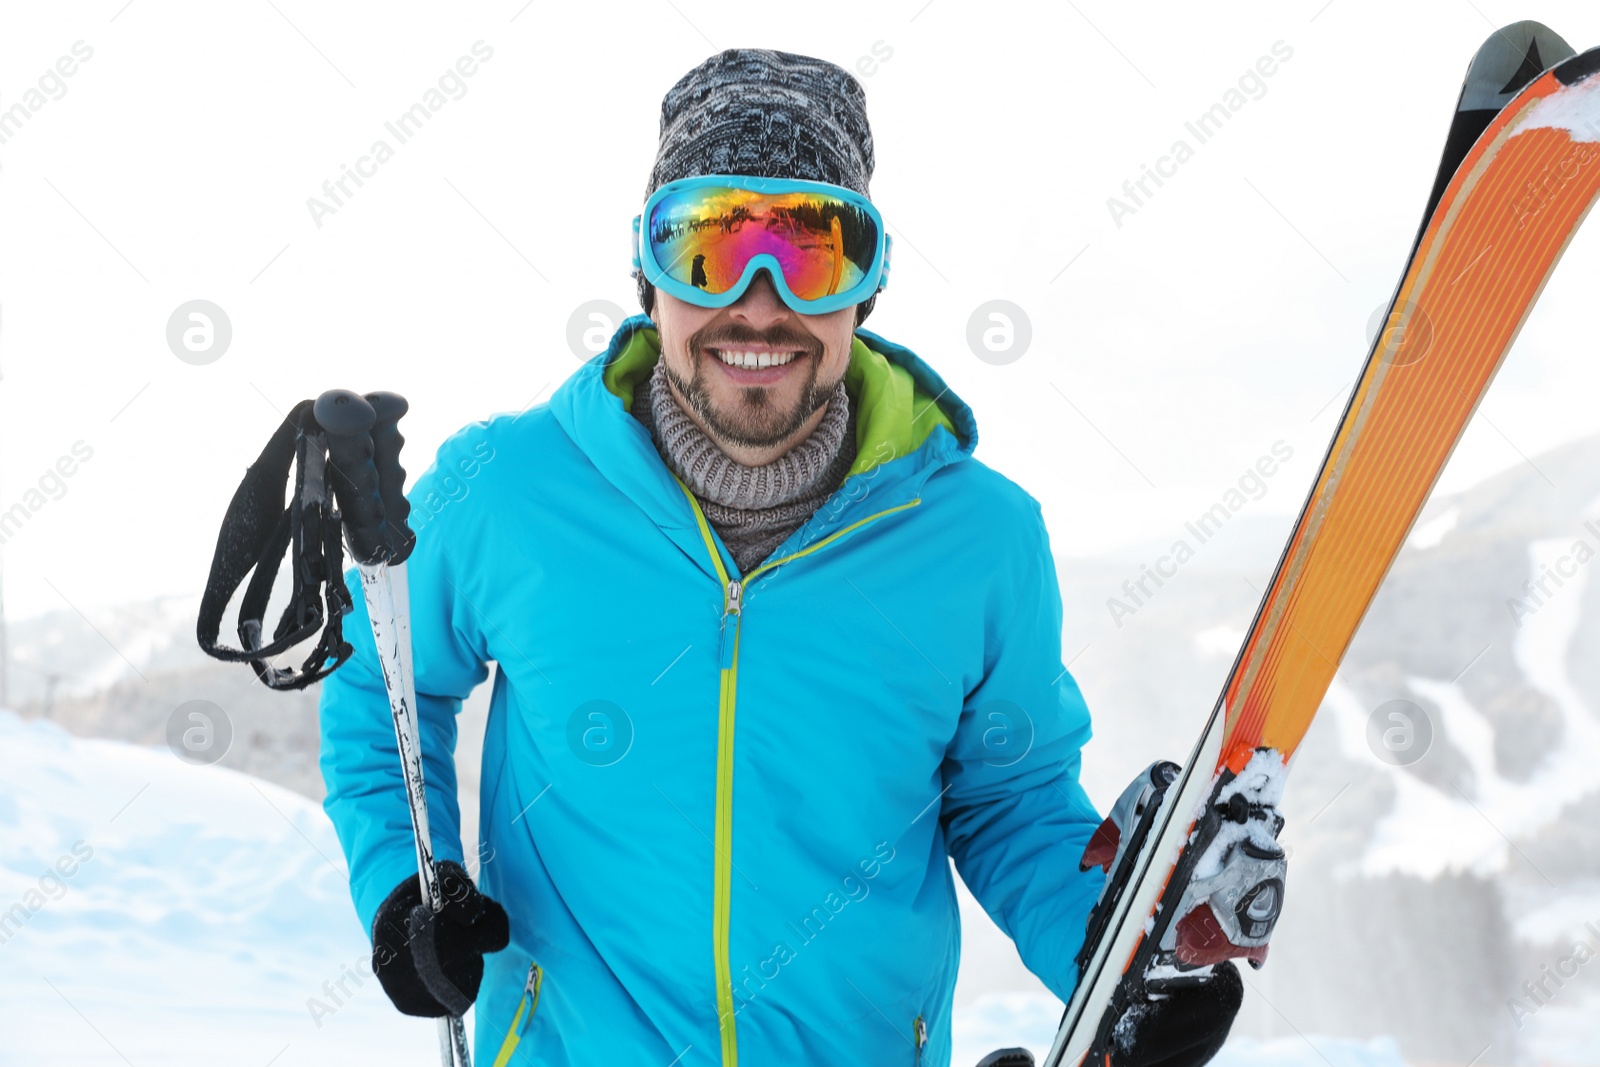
(704, 239)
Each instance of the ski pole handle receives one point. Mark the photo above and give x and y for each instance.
(347, 419)
(386, 442)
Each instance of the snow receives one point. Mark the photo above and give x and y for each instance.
(1261, 782)
(205, 909)
(1125, 1032)
(203, 912)
(1563, 1032)
(1159, 972)
(1573, 109)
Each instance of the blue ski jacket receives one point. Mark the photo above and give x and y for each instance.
(718, 807)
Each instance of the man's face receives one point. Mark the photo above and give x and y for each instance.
(755, 375)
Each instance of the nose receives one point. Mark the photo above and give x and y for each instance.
(760, 307)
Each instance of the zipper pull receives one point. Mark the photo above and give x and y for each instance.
(535, 979)
(733, 601)
(919, 1028)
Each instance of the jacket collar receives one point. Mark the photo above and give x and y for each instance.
(908, 424)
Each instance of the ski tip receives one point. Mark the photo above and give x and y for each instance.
(1579, 67)
(1511, 58)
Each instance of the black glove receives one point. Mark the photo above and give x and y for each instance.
(1183, 1029)
(432, 964)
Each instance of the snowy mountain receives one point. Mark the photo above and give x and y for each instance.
(1431, 903)
(63, 654)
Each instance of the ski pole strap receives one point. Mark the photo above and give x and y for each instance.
(256, 531)
(342, 447)
(256, 520)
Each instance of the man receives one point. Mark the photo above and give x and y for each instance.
(772, 645)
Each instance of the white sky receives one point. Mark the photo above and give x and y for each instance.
(1225, 315)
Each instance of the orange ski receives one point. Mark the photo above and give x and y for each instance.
(1521, 169)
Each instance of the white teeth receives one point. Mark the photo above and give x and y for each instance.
(754, 360)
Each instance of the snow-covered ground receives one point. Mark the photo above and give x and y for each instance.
(154, 912)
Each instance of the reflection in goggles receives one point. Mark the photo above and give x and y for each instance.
(706, 237)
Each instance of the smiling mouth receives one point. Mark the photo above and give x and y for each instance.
(754, 359)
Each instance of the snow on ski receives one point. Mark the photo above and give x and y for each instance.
(1499, 218)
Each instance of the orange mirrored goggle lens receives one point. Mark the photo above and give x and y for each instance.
(705, 237)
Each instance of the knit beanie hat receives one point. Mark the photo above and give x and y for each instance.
(764, 114)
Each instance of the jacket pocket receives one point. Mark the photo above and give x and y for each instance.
(527, 1004)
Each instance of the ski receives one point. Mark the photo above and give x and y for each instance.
(1517, 178)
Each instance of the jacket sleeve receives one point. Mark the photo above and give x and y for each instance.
(360, 762)
(1016, 818)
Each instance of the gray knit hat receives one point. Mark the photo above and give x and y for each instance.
(764, 114)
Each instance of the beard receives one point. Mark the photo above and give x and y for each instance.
(754, 419)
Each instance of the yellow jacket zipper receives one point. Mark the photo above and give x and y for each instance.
(526, 1006)
(722, 863)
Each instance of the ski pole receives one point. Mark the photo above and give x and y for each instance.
(364, 469)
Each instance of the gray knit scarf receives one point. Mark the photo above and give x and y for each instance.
(753, 509)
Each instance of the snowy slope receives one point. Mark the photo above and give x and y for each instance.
(198, 916)
(194, 914)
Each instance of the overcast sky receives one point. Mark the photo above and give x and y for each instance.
(1171, 347)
